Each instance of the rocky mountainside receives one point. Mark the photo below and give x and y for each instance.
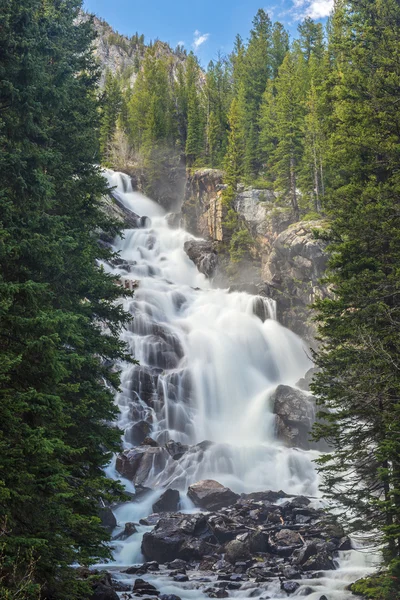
(123, 55)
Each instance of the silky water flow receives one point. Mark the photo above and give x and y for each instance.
(209, 361)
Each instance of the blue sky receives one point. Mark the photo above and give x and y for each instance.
(205, 26)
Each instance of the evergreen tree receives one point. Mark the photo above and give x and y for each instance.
(359, 331)
(280, 47)
(111, 108)
(195, 117)
(58, 316)
(311, 38)
(287, 155)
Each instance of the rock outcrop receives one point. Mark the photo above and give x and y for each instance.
(295, 415)
(211, 495)
(292, 270)
(203, 212)
(204, 255)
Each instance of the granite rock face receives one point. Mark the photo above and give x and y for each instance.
(295, 415)
(203, 212)
(292, 272)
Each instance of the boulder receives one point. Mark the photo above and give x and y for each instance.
(107, 518)
(104, 592)
(176, 449)
(204, 255)
(129, 529)
(288, 537)
(136, 464)
(295, 415)
(167, 502)
(186, 537)
(211, 495)
(144, 588)
(103, 587)
(137, 433)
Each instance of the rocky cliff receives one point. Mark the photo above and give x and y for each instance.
(288, 258)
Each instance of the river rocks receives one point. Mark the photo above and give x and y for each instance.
(204, 255)
(107, 518)
(211, 495)
(167, 502)
(137, 433)
(103, 587)
(187, 537)
(144, 588)
(129, 529)
(135, 464)
(176, 449)
(295, 414)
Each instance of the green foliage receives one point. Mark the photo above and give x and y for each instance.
(360, 341)
(241, 242)
(59, 320)
(111, 109)
(377, 587)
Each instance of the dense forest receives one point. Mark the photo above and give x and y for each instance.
(317, 120)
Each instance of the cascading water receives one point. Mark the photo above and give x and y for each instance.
(209, 361)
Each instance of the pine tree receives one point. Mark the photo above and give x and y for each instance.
(280, 47)
(287, 155)
(311, 39)
(111, 108)
(58, 314)
(195, 117)
(359, 331)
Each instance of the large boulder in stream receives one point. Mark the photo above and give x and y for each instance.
(211, 495)
(187, 537)
(295, 415)
(204, 255)
(136, 464)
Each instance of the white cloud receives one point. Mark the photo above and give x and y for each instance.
(180, 43)
(316, 9)
(199, 39)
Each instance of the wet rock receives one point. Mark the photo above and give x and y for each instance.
(104, 592)
(144, 588)
(204, 255)
(137, 433)
(319, 562)
(217, 593)
(148, 441)
(181, 578)
(168, 502)
(103, 587)
(136, 464)
(237, 550)
(344, 544)
(211, 495)
(178, 565)
(305, 382)
(173, 220)
(295, 415)
(290, 587)
(129, 529)
(186, 537)
(107, 518)
(169, 597)
(151, 520)
(176, 449)
(287, 537)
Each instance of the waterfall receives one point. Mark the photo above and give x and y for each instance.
(209, 361)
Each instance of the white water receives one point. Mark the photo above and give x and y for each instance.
(208, 366)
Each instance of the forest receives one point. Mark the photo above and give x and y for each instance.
(316, 120)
